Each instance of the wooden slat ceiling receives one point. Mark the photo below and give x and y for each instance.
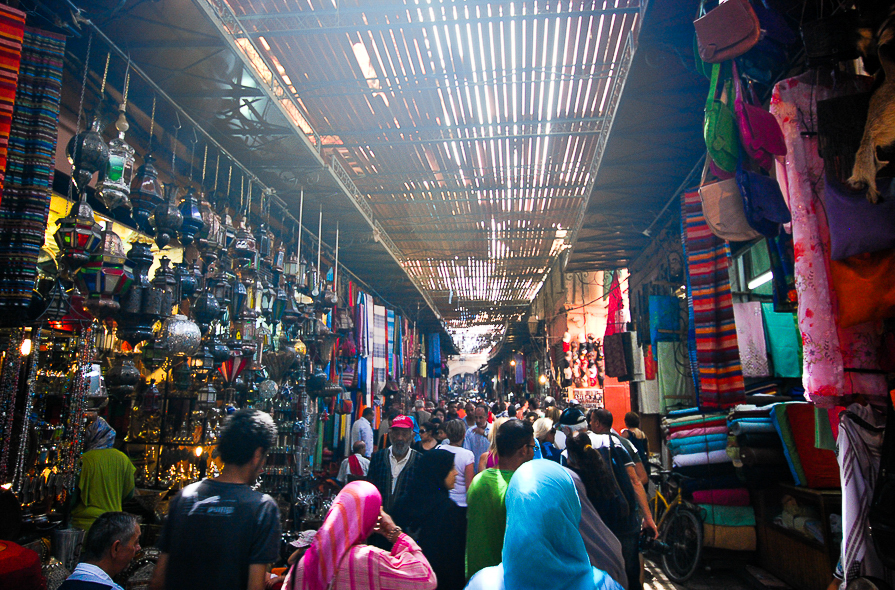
(472, 128)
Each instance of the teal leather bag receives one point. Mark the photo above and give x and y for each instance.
(720, 128)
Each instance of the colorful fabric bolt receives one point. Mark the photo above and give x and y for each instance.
(720, 372)
(25, 206)
(12, 29)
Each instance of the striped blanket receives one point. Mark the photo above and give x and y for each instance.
(720, 372)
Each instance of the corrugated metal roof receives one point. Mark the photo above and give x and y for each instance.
(474, 130)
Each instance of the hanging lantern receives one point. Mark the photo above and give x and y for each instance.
(88, 154)
(267, 295)
(301, 348)
(114, 187)
(141, 304)
(229, 231)
(220, 284)
(78, 235)
(220, 351)
(205, 310)
(279, 305)
(279, 258)
(238, 299)
(245, 246)
(290, 314)
(207, 394)
(166, 218)
(211, 238)
(192, 217)
(233, 367)
(186, 280)
(105, 276)
(146, 193)
(167, 283)
(262, 239)
(290, 267)
(202, 363)
(178, 336)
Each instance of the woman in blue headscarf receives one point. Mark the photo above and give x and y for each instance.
(542, 547)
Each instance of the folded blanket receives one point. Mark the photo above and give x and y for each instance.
(684, 412)
(728, 515)
(698, 432)
(762, 457)
(733, 538)
(700, 447)
(760, 440)
(722, 421)
(689, 440)
(725, 497)
(741, 427)
(781, 423)
(709, 458)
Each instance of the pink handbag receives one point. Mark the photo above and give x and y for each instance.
(760, 133)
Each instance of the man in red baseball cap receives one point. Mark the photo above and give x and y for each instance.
(392, 469)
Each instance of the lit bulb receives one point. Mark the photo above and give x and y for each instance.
(26, 346)
(198, 451)
(542, 379)
(513, 363)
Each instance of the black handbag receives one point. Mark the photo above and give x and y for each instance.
(881, 517)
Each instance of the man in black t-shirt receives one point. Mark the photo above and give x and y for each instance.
(220, 534)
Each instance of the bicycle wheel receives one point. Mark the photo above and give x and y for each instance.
(683, 534)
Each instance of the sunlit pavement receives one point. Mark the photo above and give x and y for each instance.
(703, 579)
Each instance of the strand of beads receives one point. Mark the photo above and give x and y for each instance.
(29, 401)
(78, 406)
(8, 389)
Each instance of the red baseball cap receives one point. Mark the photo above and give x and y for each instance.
(402, 422)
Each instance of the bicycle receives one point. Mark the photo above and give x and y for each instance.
(680, 527)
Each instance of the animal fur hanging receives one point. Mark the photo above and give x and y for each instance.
(879, 130)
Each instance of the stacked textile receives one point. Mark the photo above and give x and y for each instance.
(697, 443)
(755, 446)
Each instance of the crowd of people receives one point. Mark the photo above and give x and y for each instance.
(450, 497)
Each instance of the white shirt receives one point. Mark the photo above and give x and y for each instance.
(87, 572)
(345, 469)
(363, 430)
(397, 465)
(462, 458)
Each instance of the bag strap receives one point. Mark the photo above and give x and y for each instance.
(738, 85)
(713, 86)
(887, 452)
(705, 170)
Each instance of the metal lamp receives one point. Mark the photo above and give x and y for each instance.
(78, 235)
(192, 217)
(115, 186)
(202, 363)
(146, 193)
(167, 218)
(105, 277)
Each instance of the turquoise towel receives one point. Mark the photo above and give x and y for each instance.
(728, 515)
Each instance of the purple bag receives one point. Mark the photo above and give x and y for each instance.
(763, 202)
(760, 133)
(857, 226)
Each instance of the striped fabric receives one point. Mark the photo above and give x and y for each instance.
(720, 372)
(390, 347)
(12, 28)
(32, 150)
(380, 370)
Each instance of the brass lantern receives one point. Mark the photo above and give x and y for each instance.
(192, 217)
(78, 235)
(146, 193)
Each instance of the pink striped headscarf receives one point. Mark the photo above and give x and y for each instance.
(350, 520)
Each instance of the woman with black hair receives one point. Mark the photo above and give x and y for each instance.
(426, 513)
(428, 440)
(601, 511)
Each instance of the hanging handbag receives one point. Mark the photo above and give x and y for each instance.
(760, 133)
(722, 206)
(881, 517)
(764, 62)
(763, 202)
(720, 129)
(727, 31)
(858, 226)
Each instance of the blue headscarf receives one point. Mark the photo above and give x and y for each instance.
(542, 547)
(99, 435)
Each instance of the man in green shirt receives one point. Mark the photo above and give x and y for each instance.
(107, 476)
(487, 513)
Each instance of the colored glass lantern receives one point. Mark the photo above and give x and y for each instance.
(88, 154)
(233, 367)
(279, 305)
(244, 245)
(238, 299)
(167, 219)
(263, 241)
(192, 217)
(115, 185)
(186, 280)
(202, 363)
(78, 235)
(105, 277)
(229, 231)
(146, 193)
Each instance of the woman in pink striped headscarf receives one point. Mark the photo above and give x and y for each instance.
(338, 559)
